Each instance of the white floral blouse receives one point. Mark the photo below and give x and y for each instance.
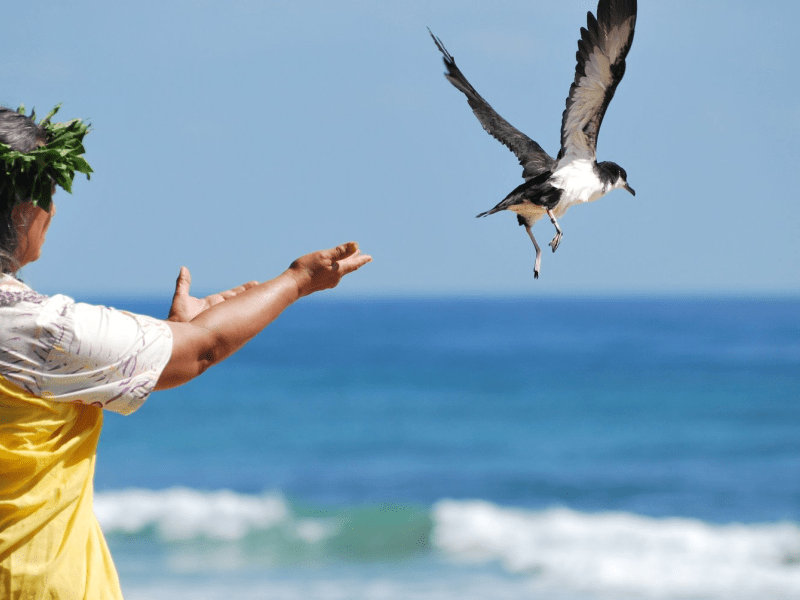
(61, 350)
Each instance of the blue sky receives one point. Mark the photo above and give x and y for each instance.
(233, 137)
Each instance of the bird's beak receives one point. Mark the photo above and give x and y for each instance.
(629, 188)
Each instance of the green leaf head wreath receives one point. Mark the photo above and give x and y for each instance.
(32, 175)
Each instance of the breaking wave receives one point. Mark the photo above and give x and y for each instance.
(593, 553)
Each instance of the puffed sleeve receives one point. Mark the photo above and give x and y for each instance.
(65, 351)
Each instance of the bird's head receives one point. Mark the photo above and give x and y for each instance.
(615, 176)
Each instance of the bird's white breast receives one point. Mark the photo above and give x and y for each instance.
(579, 183)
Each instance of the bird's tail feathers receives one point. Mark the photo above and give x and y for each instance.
(488, 212)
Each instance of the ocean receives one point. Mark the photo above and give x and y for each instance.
(443, 449)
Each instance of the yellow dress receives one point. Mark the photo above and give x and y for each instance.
(61, 364)
(51, 546)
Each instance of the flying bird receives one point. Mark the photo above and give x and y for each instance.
(553, 185)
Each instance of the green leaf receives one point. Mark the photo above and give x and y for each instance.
(50, 115)
(30, 176)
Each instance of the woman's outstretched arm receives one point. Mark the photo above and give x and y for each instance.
(235, 317)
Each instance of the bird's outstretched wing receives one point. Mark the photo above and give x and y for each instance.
(532, 157)
(602, 49)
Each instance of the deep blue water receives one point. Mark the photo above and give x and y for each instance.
(647, 408)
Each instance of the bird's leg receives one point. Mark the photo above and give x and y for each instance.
(538, 252)
(556, 240)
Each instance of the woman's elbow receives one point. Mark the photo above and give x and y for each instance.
(194, 350)
(206, 359)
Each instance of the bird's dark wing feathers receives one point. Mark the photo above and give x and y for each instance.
(602, 49)
(532, 157)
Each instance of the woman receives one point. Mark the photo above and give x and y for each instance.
(62, 363)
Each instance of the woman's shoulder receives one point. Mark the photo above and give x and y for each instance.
(70, 351)
(20, 305)
(13, 291)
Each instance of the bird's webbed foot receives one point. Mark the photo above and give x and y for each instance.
(554, 243)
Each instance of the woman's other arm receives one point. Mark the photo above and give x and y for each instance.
(221, 324)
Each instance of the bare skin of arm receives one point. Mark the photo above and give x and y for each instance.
(207, 331)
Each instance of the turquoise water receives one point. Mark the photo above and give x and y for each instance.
(576, 449)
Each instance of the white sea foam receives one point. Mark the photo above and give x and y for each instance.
(625, 553)
(185, 514)
(614, 555)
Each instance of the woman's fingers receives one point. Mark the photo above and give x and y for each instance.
(183, 283)
(354, 262)
(349, 257)
(237, 290)
(344, 250)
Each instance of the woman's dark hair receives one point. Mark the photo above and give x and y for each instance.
(22, 134)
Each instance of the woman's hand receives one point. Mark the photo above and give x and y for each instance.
(185, 307)
(207, 331)
(324, 269)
